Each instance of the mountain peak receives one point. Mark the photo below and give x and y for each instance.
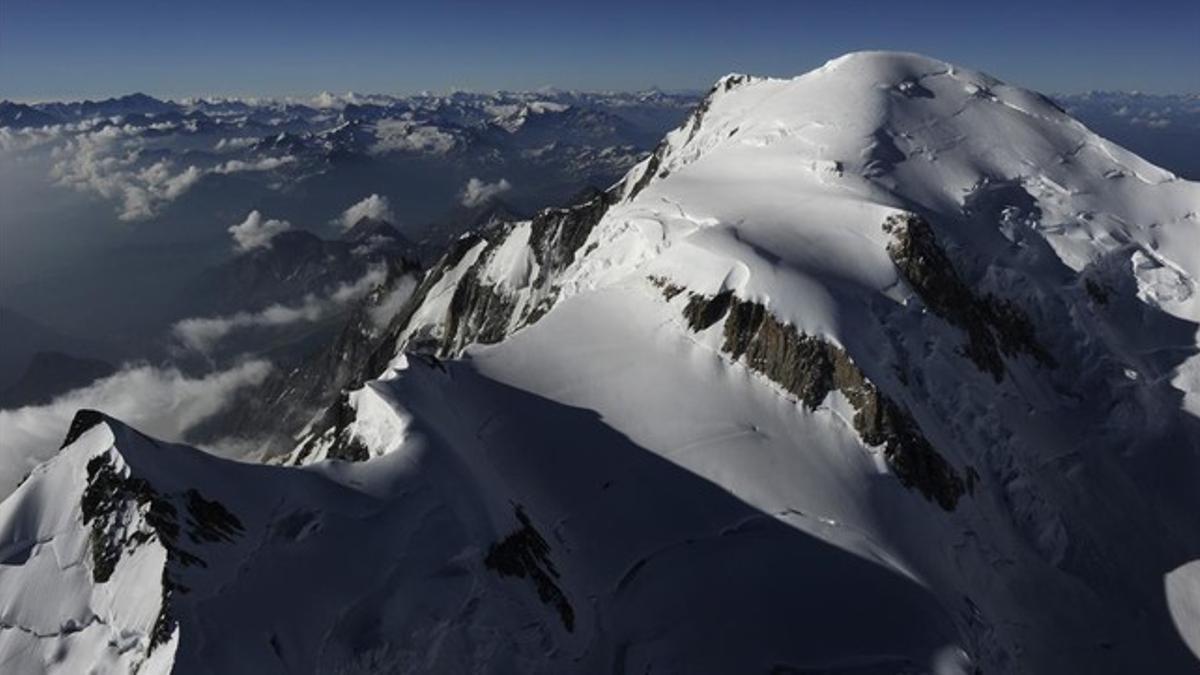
(138, 97)
(368, 228)
(892, 340)
(84, 421)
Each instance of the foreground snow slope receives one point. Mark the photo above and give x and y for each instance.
(420, 561)
(890, 367)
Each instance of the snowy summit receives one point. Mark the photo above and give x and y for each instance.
(890, 368)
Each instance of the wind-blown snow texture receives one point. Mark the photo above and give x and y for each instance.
(890, 367)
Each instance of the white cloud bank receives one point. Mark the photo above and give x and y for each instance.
(235, 143)
(375, 207)
(477, 192)
(121, 163)
(256, 231)
(264, 164)
(390, 304)
(164, 403)
(108, 162)
(202, 334)
(398, 135)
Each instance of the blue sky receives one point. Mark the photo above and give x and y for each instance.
(75, 49)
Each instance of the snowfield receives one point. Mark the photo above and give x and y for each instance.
(887, 368)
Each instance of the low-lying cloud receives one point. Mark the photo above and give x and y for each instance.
(202, 334)
(263, 164)
(390, 304)
(128, 164)
(108, 162)
(235, 143)
(376, 207)
(164, 403)
(405, 136)
(256, 231)
(477, 192)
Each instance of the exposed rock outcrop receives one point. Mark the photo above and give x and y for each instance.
(483, 312)
(995, 327)
(125, 512)
(526, 555)
(558, 234)
(810, 368)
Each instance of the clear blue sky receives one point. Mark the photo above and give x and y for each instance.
(76, 48)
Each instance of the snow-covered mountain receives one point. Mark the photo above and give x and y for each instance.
(891, 367)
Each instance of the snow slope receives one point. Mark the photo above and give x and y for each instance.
(890, 367)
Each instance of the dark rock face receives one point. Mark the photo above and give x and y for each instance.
(995, 327)
(335, 422)
(526, 555)
(810, 369)
(1099, 292)
(558, 234)
(652, 168)
(702, 312)
(479, 312)
(483, 313)
(385, 349)
(668, 289)
(80, 424)
(348, 449)
(320, 385)
(102, 504)
(210, 521)
(108, 501)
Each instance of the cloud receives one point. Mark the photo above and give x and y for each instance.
(235, 143)
(264, 164)
(382, 313)
(399, 135)
(124, 164)
(255, 232)
(24, 140)
(374, 207)
(477, 192)
(108, 160)
(164, 403)
(325, 100)
(353, 291)
(202, 334)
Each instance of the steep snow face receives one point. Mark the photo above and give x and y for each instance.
(890, 367)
